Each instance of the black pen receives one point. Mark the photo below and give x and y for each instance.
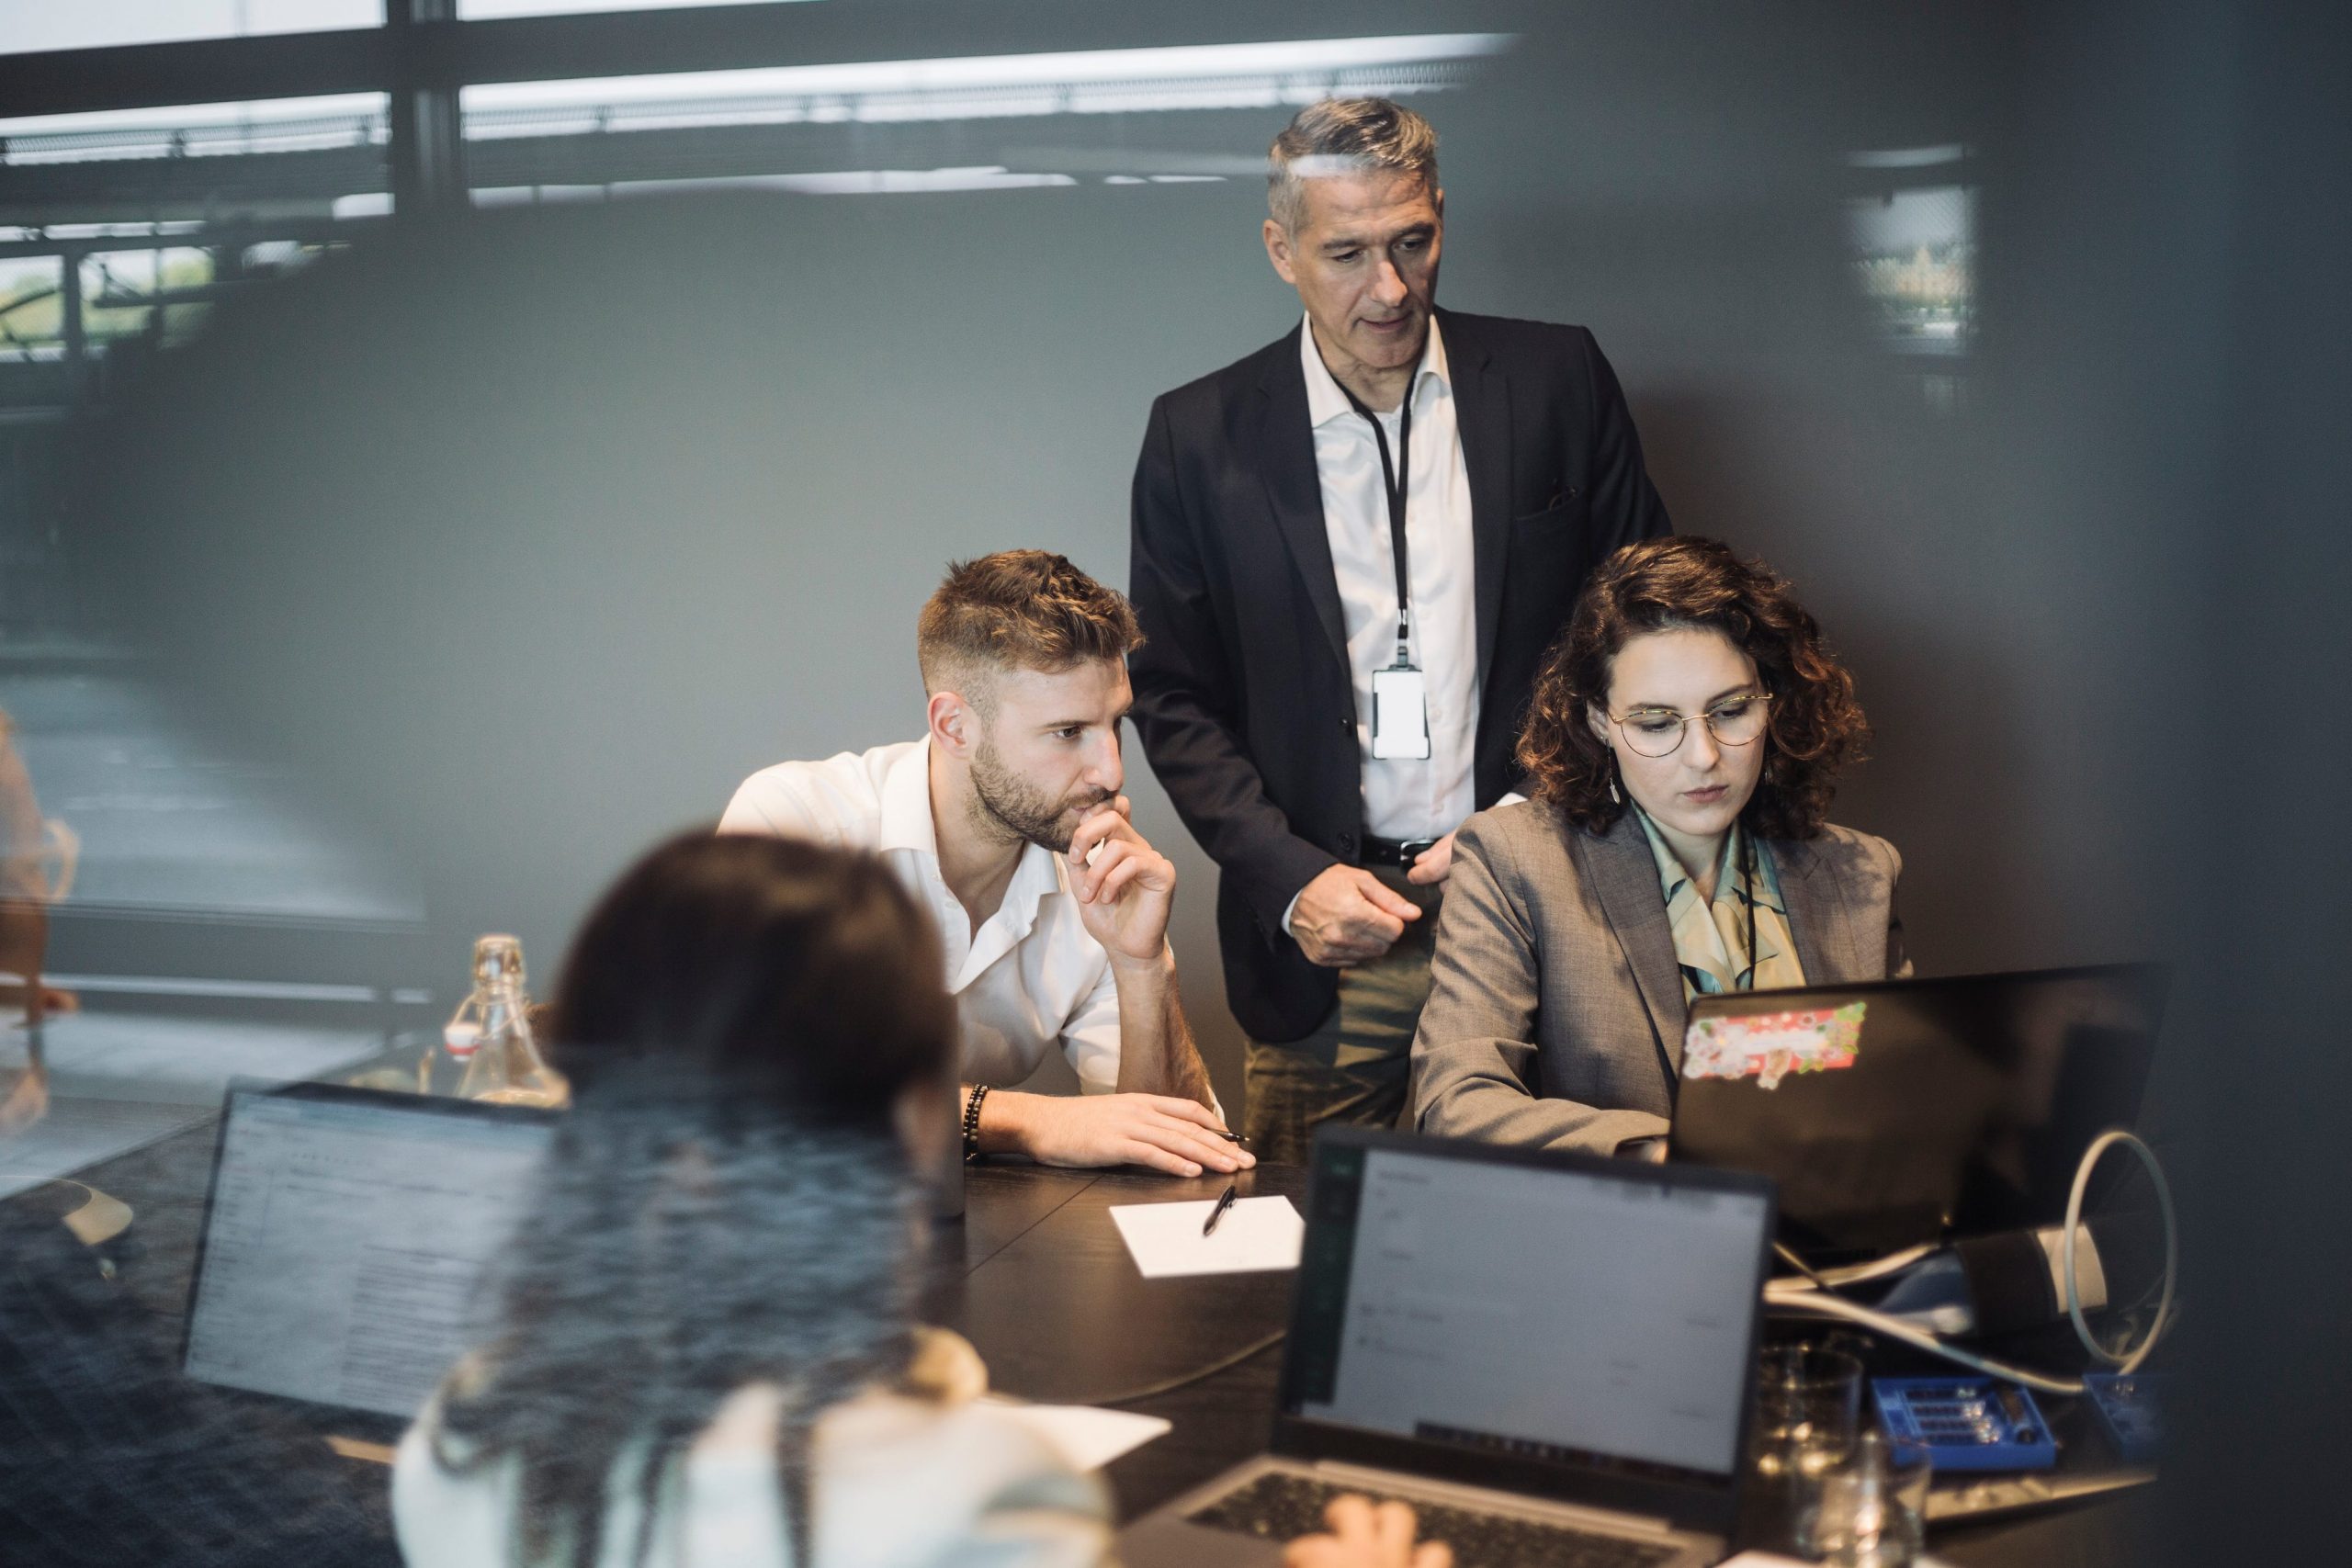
(1223, 1203)
(1230, 1137)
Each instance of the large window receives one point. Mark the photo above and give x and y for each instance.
(32, 306)
(893, 126)
(1914, 240)
(484, 10)
(1127, 80)
(141, 204)
(29, 25)
(198, 130)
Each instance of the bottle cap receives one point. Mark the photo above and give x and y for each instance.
(462, 1039)
(498, 960)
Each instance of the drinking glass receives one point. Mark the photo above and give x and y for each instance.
(1871, 1507)
(1808, 1402)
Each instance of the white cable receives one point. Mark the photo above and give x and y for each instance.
(1893, 1263)
(1801, 1295)
(1811, 1279)
(1852, 1273)
(2163, 1320)
(1919, 1339)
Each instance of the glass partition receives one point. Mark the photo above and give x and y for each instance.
(30, 25)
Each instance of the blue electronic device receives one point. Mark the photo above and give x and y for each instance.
(2131, 1411)
(1967, 1422)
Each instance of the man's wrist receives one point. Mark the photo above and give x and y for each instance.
(1005, 1123)
(1264, 870)
(1127, 968)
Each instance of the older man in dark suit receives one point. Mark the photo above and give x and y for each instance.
(1350, 550)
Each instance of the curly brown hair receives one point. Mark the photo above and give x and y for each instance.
(1686, 583)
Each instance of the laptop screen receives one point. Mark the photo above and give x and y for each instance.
(1891, 1112)
(1592, 1317)
(346, 1237)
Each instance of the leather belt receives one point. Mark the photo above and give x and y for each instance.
(1397, 852)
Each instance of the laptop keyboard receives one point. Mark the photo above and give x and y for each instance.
(1283, 1507)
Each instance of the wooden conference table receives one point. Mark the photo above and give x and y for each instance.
(1037, 1277)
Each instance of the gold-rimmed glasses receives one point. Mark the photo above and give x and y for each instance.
(1658, 732)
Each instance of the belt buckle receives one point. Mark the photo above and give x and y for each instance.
(1398, 853)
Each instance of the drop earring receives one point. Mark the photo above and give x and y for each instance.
(1615, 798)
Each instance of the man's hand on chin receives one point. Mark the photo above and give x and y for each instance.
(1124, 888)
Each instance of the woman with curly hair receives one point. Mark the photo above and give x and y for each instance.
(1682, 748)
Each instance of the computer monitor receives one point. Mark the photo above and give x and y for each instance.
(345, 1238)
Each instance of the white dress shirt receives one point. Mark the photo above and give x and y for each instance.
(1031, 977)
(1404, 798)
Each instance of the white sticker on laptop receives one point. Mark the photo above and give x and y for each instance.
(1768, 1046)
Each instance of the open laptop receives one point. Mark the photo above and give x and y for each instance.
(346, 1237)
(1903, 1112)
(1550, 1357)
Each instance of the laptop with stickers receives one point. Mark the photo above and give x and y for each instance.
(1902, 1111)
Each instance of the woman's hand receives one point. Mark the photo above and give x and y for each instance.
(1432, 864)
(1363, 1536)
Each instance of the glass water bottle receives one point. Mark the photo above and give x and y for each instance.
(490, 1033)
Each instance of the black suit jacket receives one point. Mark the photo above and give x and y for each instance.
(1243, 692)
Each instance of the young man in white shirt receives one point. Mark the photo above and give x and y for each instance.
(1007, 822)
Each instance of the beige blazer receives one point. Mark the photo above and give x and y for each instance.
(1556, 1011)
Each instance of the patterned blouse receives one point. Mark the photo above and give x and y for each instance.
(1711, 938)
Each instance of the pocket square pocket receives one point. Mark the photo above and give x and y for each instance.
(1564, 501)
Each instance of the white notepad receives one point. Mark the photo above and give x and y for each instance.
(1256, 1234)
(1088, 1438)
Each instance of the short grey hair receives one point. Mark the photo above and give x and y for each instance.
(1345, 136)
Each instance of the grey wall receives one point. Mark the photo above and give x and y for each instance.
(2265, 1447)
(602, 510)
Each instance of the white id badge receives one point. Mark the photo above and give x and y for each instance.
(1400, 713)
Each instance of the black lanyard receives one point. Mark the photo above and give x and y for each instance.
(1394, 480)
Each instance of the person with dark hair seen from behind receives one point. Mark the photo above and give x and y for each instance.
(702, 1350)
(1348, 551)
(1682, 750)
(1006, 821)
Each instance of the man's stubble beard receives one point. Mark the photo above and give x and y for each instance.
(1006, 805)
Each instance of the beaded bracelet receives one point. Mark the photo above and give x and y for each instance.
(972, 1123)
